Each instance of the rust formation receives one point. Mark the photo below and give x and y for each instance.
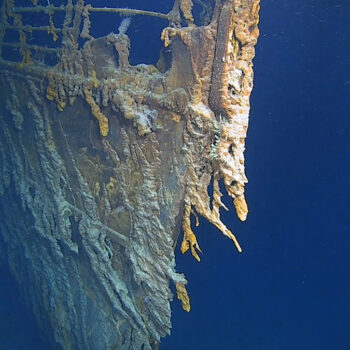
(124, 155)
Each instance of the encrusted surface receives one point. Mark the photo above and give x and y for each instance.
(102, 163)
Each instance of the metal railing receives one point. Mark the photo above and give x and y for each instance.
(16, 36)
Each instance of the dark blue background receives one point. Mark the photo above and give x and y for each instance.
(289, 289)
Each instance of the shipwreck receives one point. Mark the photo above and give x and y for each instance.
(104, 163)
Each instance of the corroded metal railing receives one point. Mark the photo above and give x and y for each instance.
(76, 14)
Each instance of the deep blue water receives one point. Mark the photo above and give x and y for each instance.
(289, 289)
(18, 330)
